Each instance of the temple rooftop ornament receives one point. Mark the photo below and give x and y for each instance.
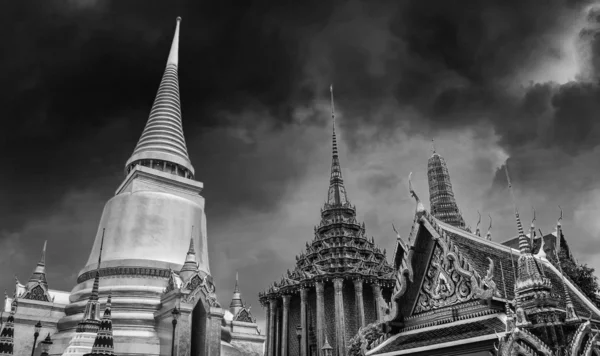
(477, 231)
(488, 236)
(162, 142)
(441, 196)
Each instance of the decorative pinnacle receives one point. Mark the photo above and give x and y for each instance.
(174, 54)
(523, 243)
(477, 232)
(43, 259)
(237, 289)
(420, 207)
(489, 233)
(101, 246)
(335, 150)
(558, 223)
(191, 251)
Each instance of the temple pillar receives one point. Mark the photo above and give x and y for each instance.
(284, 325)
(215, 318)
(304, 337)
(320, 316)
(272, 306)
(268, 331)
(340, 323)
(377, 296)
(358, 290)
(277, 330)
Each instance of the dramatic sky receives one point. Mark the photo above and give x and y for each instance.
(493, 81)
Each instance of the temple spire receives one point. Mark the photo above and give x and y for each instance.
(162, 144)
(91, 314)
(103, 344)
(39, 273)
(532, 230)
(236, 300)
(523, 243)
(571, 315)
(190, 266)
(337, 192)
(441, 196)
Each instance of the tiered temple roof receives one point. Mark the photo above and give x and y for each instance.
(340, 247)
(473, 291)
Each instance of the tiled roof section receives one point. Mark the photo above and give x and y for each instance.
(478, 252)
(444, 334)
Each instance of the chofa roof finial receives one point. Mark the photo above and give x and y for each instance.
(477, 231)
(420, 207)
(489, 233)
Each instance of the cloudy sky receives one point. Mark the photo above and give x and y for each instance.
(491, 81)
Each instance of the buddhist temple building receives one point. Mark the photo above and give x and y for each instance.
(458, 293)
(148, 270)
(341, 282)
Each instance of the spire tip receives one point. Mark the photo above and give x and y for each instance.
(178, 18)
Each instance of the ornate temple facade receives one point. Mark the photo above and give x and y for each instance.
(148, 265)
(458, 293)
(341, 282)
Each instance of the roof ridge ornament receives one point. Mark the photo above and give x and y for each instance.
(523, 243)
(488, 236)
(420, 210)
(477, 231)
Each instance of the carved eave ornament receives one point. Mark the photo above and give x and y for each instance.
(243, 315)
(451, 258)
(199, 286)
(522, 342)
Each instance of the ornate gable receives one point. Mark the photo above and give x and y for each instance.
(443, 284)
(244, 315)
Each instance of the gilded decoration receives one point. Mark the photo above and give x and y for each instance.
(488, 287)
(443, 285)
(244, 316)
(37, 293)
(200, 286)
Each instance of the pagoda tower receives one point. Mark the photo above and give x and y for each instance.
(441, 196)
(147, 227)
(341, 282)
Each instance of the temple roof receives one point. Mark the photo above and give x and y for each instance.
(162, 138)
(448, 335)
(340, 247)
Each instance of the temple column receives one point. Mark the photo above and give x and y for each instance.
(320, 316)
(269, 337)
(377, 296)
(272, 306)
(277, 329)
(285, 327)
(303, 304)
(358, 290)
(340, 324)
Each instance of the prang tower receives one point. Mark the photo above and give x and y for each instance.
(441, 196)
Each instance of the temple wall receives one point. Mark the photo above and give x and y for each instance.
(294, 320)
(350, 310)
(330, 314)
(369, 300)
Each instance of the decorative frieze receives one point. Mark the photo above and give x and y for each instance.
(125, 272)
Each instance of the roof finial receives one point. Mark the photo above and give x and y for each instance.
(101, 245)
(489, 233)
(43, 259)
(433, 145)
(236, 289)
(560, 217)
(191, 251)
(523, 243)
(336, 194)
(558, 232)
(477, 231)
(335, 149)
(174, 54)
(541, 253)
(532, 229)
(420, 207)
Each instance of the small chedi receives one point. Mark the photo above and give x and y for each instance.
(458, 293)
(341, 283)
(146, 288)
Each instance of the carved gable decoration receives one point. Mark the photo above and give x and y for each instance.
(37, 293)
(244, 316)
(443, 284)
(198, 286)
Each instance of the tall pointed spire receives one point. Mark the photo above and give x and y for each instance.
(571, 315)
(104, 345)
(91, 314)
(532, 230)
(236, 300)
(441, 196)
(190, 267)
(162, 144)
(337, 192)
(523, 242)
(39, 273)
